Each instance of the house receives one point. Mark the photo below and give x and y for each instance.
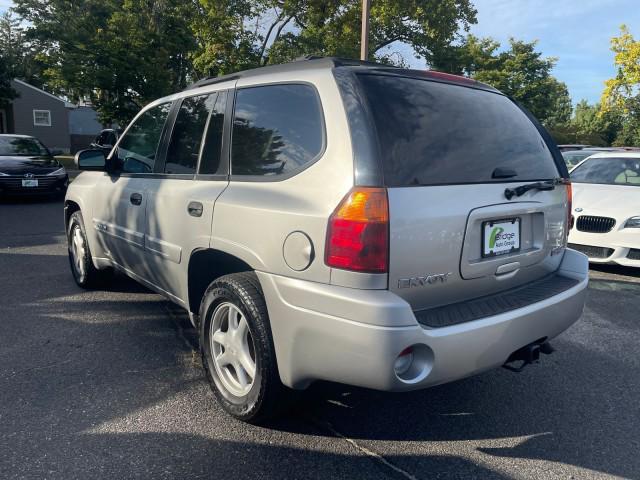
(59, 124)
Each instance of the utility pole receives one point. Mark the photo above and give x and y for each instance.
(364, 39)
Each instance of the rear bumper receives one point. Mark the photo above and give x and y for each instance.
(324, 332)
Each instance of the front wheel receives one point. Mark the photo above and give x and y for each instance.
(84, 272)
(237, 349)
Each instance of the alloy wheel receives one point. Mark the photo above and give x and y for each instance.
(78, 250)
(232, 349)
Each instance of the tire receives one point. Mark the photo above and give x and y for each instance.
(239, 296)
(85, 274)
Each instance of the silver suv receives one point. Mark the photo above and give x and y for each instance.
(336, 220)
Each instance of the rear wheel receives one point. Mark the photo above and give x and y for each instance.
(84, 272)
(237, 349)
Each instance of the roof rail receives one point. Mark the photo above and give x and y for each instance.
(307, 61)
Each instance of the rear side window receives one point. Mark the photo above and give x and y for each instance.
(432, 133)
(277, 130)
(137, 149)
(188, 130)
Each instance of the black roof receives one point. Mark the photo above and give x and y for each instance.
(311, 62)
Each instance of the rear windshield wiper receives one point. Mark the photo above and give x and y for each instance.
(522, 189)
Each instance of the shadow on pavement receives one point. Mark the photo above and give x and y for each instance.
(616, 270)
(74, 362)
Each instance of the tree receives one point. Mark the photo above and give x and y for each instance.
(236, 34)
(11, 40)
(601, 127)
(520, 72)
(22, 56)
(6, 92)
(621, 95)
(120, 54)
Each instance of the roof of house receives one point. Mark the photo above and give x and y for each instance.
(25, 84)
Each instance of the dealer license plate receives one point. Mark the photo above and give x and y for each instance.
(500, 237)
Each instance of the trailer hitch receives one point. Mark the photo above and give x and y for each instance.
(527, 355)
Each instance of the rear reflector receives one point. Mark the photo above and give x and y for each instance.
(358, 232)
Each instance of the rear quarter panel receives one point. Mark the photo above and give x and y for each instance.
(252, 219)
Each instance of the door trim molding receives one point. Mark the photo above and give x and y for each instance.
(130, 236)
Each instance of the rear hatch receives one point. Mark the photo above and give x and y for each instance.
(448, 154)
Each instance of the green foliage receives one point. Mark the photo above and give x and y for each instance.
(521, 72)
(224, 44)
(118, 54)
(281, 30)
(625, 86)
(22, 58)
(621, 96)
(121, 54)
(6, 92)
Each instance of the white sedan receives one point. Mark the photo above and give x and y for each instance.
(606, 208)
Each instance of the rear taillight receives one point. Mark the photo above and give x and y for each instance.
(358, 232)
(569, 207)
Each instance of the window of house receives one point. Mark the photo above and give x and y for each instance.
(42, 118)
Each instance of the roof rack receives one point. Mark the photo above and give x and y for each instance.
(307, 61)
(314, 61)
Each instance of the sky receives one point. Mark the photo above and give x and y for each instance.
(577, 32)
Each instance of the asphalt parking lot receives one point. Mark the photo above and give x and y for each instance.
(108, 384)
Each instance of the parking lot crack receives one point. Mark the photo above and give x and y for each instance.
(370, 453)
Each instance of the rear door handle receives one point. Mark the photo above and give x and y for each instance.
(135, 199)
(195, 209)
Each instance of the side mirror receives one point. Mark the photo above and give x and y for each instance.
(91, 160)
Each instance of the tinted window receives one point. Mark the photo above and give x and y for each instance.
(137, 150)
(21, 146)
(611, 171)
(277, 129)
(110, 138)
(107, 137)
(184, 148)
(574, 158)
(212, 151)
(435, 133)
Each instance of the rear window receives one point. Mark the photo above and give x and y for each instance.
(434, 133)
(574, 158)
